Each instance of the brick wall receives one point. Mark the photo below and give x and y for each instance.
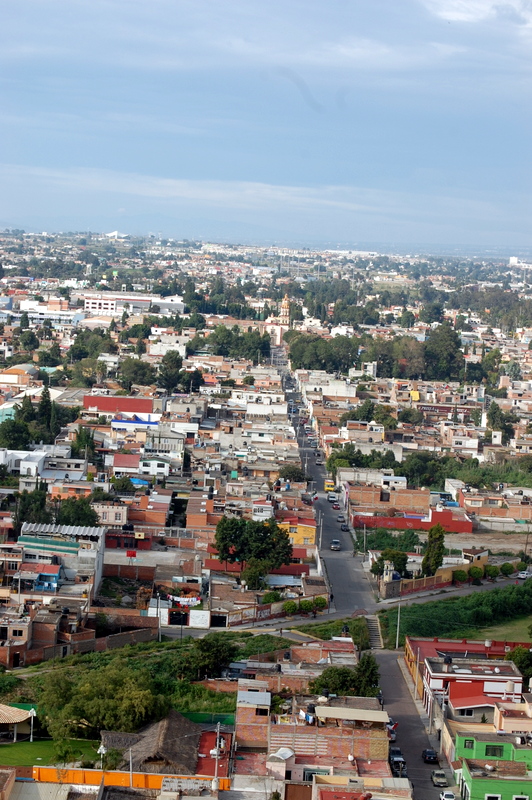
(131, 571)
(335, 742)
(251, 729)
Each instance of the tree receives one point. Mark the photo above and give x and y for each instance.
(254, 573)
(249, 380)
(475, 573)
(292, 473)
(398, 558)
(26, 411)
(210, 655)
(123, 486)
(407, 319)
(28, 341)
(443, 357)
(411, 416)
(24, 320)
(507, 569)
(31, 507)
(522, 658)
(114, 698)
(459, 576)
(169, 371)
(433, 558)
(362, 681)
(44, 409)
(14, 435)
(77, 511)
(134, 371)
(242, 540)
(491, 571)
(367, 676)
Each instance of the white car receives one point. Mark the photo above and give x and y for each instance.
(524, 575)
(447, 796)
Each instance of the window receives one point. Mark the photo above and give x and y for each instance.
(492, 797)
(469, 744)
(494, 750)
(104, 515)
(520, 797)
(118, 516)
(465, 712)
(18, 633)
(261, 712)
(12, 565)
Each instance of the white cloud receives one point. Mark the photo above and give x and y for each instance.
(244, 195)
(480, 10)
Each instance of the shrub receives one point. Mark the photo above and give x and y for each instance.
(290, 607)
(491, 571)
(306, 605)
(507, 569)
(521, 566)
(320, 603)
(271, 597)
(475, 573)
(459, 576)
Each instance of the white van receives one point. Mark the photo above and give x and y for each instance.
(332, 497)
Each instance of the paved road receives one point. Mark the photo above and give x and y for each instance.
(411, 735)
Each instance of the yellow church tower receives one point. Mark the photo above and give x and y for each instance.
(284, 317)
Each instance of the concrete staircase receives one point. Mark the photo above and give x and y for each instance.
(374, 629)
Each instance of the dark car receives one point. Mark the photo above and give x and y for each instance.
(430, 757)
(395, 752)
(344, 527)
(335, 544)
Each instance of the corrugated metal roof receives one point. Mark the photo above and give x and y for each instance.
(61, 530)
(254, 698)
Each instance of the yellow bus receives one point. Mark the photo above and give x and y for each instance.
(329, 485)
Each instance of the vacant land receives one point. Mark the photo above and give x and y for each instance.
(515, 630)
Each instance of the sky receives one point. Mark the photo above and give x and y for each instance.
(305, 122)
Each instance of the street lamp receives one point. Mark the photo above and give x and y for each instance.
(101, 752)
(33, 714)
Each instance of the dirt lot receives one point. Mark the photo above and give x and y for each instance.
(494, 540)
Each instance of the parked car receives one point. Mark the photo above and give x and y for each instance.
(439, 778)
(447, 796)
(524, 575)
(335, 544)
(430, 757)
(344, 527)
(398, 767)
(340, 518)
(395, 752)
(336, 506)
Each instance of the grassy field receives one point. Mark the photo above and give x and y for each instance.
(515, 630)
(29, 754)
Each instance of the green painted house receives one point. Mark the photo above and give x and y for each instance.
(482, 746)
(493, 767)
(493, 780)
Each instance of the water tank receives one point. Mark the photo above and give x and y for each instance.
(487, 643)
(510, 687)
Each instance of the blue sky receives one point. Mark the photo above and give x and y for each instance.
(304, 121)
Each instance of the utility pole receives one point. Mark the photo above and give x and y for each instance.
(398, 626)
(216, 756)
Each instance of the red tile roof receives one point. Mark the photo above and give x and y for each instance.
(126, 460)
